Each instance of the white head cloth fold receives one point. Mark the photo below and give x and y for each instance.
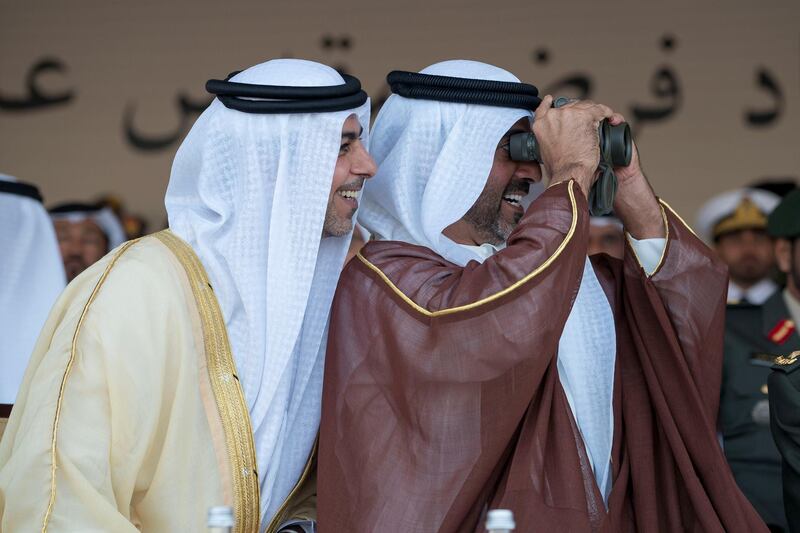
(433, 161)
(724, 204)
(104, 217)
(32, 278)
(249, 193)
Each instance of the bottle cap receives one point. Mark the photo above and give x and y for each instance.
(221, 516)
(500, 519)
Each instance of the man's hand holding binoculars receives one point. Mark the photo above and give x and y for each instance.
(569, 147)
(568, 141)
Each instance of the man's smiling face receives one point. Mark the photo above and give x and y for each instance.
(498, 209)
(353, 166)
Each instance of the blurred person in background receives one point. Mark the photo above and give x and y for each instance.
(780, 319)
(31, 278)
(606, 236)
(735, 222)
(134, 225)
(85, 232)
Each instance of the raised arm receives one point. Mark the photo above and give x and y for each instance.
(547, 249)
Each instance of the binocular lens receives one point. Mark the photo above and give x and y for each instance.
(522, 147)
(621, 149)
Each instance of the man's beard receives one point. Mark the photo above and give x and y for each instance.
(748, 272)
(485, 216)
(334, 225)
(73, 266)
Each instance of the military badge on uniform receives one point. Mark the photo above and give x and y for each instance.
(788, 359)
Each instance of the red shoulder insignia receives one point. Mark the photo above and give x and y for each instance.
(782, 331)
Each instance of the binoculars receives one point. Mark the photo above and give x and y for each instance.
(615, 150)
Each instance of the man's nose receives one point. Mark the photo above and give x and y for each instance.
(364, 164)
(529, 171)
(70, 246)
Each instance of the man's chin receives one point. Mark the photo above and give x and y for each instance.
(72, 269)
(506, 226)
(337, 228)
(749, 276)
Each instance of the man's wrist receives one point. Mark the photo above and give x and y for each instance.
(647, 230)
(637, 207)
(644, 221)
(582, 175)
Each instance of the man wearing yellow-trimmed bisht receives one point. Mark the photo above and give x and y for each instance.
(184, 370)
(784, 382)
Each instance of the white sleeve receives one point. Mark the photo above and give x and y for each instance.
(649, 252)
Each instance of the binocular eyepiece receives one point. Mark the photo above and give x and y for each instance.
(615, 151)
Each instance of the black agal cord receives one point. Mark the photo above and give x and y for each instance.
(275, 99)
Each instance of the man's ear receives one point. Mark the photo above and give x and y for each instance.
(783, 254)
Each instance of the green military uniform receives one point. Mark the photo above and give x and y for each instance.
(785, 386)
(755, 336)
(784, 383)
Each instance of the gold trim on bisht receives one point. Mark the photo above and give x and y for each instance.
(687, 226)
(59, 402)
(491, 297)
(227, 389)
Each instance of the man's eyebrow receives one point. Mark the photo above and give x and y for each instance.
(351, 135)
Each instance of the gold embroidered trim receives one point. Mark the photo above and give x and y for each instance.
(276, 519)
(227, 389)
(67, 371)
(665, 204)
(496, 295)
(663, 250)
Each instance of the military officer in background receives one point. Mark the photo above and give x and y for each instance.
(756, 337)
(734, 224)
(784, 382)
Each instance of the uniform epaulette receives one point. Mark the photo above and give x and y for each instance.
(787, 363)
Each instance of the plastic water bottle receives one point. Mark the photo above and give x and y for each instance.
(220, 519)
(500, 521)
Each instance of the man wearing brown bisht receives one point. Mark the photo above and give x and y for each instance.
(477, 359)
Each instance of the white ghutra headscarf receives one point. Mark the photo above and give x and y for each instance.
(104, 217)
(433, 161)
(249, 193)
(32, 278)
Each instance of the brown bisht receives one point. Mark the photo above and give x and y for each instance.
(442, 398)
